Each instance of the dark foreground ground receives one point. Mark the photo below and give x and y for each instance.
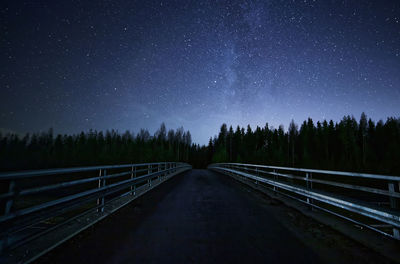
(203, 217)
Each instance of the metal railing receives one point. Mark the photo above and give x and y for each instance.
(368, 200)
(37, 202)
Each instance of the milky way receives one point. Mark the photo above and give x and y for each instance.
(128, 65)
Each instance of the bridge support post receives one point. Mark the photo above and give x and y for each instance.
(158, 170)
(149, 170)
(7, 210)
(309, 187)
(133, 175)
(102, 183)
(256, 174)
(394, 203)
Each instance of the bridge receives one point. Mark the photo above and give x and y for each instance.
(169, 212)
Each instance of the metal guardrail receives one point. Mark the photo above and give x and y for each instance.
(37, 202)
(368, 200)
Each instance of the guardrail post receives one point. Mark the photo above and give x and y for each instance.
(309, 186)
(10, 201)
(256, 174)
(394, 203)
(133, 175)
(102, 183)
(158, 170)
(7, 210)
(274, 171)
(149, 171)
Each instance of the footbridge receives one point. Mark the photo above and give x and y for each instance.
(168, 212)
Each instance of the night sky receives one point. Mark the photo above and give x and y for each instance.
(74, 65)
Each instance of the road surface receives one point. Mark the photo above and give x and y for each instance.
(197, 217)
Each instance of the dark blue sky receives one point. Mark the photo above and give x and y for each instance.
(125, 65)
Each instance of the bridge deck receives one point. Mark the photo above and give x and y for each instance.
(197, 217)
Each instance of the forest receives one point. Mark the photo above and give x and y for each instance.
(348, 145)
(363, 146)
(45, 150)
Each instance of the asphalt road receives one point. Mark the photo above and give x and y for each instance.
(197, 217)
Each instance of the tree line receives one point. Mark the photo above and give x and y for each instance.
(348, 145)
(46, 150)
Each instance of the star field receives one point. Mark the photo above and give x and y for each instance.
(123, 65)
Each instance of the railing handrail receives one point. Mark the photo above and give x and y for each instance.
(33, 209)
(44, 172)
(329, 191)
(341, 173)
(388, 216)
(327, 182)
(126, 181)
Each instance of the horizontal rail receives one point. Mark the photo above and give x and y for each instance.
(29, 202)
(66, 184)
(330, 193)
(34, 173)
(331, 183)
(100, 190)
(341, 173)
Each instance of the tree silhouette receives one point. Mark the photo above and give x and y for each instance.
(347, 145)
